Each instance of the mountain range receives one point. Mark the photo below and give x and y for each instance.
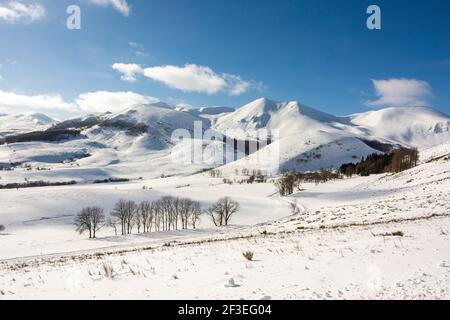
(137, 141)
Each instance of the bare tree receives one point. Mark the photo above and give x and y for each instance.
(90, 219)
(157, 213)
(125, 212)
(196, 212)
(222, 211)
(189, 212)
(184, 207)
(178, 206)
(131, 212)
(137, 221)
(119, 212)
(146, 215)
(168, 211)
(215, 216)
(286, 184)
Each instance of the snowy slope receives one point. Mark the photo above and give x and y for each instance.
(154, 123)
(137, 141)
(340, 247)
(420, 127)
(435, 153)
(310, 139)
(13, 124)
(288, 117)
(129, 144)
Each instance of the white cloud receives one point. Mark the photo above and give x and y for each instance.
(128, 71)
(400, 93)
(90, 102)
(120, 5)
(103, 101)
(18, 12)
(11, 100)
(189, 78)
(237, 86)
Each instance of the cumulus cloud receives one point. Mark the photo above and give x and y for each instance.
(128, 71)
(120, 5)
(89, 102)
(400, 93)
(189, 78)
(11, 100)
(17, 12)
(103, 101)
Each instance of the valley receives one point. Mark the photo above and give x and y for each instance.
(339, 242)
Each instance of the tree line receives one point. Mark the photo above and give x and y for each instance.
(395, 161)
(290, 181)
(166, 214)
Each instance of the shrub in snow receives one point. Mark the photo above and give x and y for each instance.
(108, 270)
(248, 255)
(2, 228)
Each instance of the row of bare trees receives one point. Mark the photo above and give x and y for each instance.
(165, 214)
(291, 181)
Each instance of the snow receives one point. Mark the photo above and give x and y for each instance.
(339, 246)
(335, 248)
(312, 140)
(21, 123)
(308, 139)
(419, 127)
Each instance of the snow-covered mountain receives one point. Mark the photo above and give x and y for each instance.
(311, 139)
(288, 117)
(138, 140)
(13, 124)
(420, 127)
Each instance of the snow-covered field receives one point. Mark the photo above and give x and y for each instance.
(47, 228)
(347, 263)
(340, 247)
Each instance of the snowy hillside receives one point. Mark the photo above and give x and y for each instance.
(136, 142)
(127, 144)
(389, 228)
(288, 117)
(419, 127)
(13, 124)
(311, 140)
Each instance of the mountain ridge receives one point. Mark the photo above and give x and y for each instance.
(139, 138)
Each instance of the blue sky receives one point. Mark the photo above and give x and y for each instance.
(223, 52)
